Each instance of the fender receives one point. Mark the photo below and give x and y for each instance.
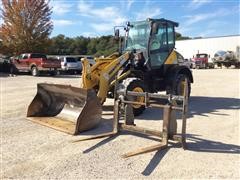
(173, 71)
(31, 65)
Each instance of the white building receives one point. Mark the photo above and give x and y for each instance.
(188, 48)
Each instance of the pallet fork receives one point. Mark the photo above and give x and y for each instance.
(169, 128)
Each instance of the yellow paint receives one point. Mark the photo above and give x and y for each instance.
(172, 58)
(138, 99)
(102, 73)
(182, 86)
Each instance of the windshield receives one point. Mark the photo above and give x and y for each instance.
(71, 59)
(201, 55)
(138, 35)
(221, 53)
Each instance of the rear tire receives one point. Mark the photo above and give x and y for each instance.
(137, 85)
(34, 71)
(227, 65)
(237, 65)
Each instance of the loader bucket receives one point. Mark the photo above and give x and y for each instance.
(65, 108)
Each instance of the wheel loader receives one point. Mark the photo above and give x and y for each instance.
(146, 61)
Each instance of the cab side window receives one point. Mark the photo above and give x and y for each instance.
(25, 56)
(170, 36)
(21, 56)
(162, 35)
(160, 39)
(159, 47)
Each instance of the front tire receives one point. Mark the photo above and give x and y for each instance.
(227, 65)
(34, 71)
(54, 72)
(178, 85)
(204, 66)
(136, 85)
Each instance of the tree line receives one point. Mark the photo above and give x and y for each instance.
(62, 45)
(97, 46)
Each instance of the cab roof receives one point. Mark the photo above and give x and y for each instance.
(163, 21)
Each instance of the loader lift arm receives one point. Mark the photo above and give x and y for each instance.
(101, 75)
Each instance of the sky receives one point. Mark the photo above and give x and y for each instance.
(205, 18)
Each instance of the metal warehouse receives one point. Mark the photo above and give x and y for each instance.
(210, 45)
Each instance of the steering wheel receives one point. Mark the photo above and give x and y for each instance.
(155, 45)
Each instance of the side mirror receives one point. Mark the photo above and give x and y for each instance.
(209, 55)
(155, 28)
(116, 34)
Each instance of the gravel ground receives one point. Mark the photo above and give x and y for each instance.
(32, 151)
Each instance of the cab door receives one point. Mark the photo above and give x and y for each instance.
(161, 44)
(22, 62)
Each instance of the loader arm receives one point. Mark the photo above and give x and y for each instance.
(101, 75)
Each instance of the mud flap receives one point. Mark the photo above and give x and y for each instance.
(65, 108)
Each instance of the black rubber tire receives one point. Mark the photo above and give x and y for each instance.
(34, 71)
(54, 72)
(211, 66)
(227, 65)
(130, 84)
(237, 65)
(176, 86)
(204, 66)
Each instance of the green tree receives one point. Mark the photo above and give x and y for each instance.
(91, 47)
(79, 45)
(180, 37)
(60, 45)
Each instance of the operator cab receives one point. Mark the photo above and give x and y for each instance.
(162, 41)
(151, 40)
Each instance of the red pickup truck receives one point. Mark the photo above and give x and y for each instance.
(35, 63)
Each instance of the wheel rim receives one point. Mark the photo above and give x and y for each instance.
(138, 99)
(34, 71)
(181, 88)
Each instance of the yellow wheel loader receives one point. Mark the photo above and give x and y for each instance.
(146, 61)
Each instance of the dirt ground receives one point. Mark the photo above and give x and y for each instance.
(32, 151)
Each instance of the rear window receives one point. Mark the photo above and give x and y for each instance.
(70, 59)
(89, 57)
(38, 56)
